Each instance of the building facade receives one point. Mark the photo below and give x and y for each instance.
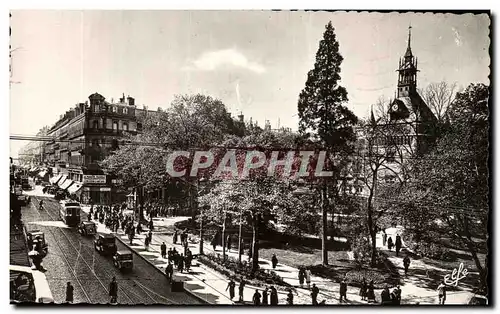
(86, 135)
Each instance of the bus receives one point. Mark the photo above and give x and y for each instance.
(70, 212)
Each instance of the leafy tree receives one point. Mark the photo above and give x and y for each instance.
(451, 184)
(322, 116)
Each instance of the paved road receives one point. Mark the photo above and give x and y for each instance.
(72, 258)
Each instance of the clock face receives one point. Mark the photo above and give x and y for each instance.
(394, 107)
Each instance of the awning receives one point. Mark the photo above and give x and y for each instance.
(66, 184)
(60, 183)
(56, 179)
(74, 188)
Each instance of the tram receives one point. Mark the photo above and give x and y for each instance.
(70, 212)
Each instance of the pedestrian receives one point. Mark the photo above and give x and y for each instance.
(228, 242)
(169, 271)
(241, 289)
(146, 243)
(256, 297)
(170, 255)
(396, 300)
(151, 225)
(363, 289)
(163, 249)
(176, 236)
(385, 296)
(113, 291)
(384, 238)
(289, 297)
(389, 244)
(185, 245)
(406, 263)
(343, 290)
(274, 261)
(69, 292)
(231, 285)
(274, 296)
(314, 294)
(214, 242)
(398, 244)
(131, 235)
(139, 228)
(180, 263)
(188, 262)
(371, 292)
(442, 292)
(301, 276)
(265, 295)
(308, 278)
(150, 236)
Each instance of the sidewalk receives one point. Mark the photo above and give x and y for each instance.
(211, 285)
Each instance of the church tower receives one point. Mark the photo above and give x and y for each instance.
(407, 78)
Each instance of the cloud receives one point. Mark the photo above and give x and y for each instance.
(212, 60)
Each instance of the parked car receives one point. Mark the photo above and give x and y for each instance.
(24, 199)
(37, 237)
(123, 260)
(105, 244)
(87, 228)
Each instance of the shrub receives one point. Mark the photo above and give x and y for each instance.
(433, 251)
(230, 267)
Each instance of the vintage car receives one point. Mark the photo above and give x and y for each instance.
(87, 228)
(123, 260)
(37, 238)
(23, 199)
(105, 244)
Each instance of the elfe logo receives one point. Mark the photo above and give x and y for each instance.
(453, 278)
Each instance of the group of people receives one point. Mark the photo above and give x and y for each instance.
(181, 261)
(390, 243)
(269, 295)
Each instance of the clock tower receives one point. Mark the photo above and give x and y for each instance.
(407, 78)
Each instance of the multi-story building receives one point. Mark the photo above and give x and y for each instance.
(83, 137)
(407, 130)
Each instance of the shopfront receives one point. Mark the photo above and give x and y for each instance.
(95, 190)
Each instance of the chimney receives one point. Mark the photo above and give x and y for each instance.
(131, 101)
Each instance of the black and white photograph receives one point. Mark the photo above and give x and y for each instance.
(250, 158)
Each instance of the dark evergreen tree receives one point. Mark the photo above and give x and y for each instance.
(323, 117)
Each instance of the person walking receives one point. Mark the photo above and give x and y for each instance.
(176, 236)
(241, 288)
(406, 263)
(302, 276)
(442, 292)
(146, 243)
(314, 294)
(274, 261)
(188, 259)
(69, 292)
(343, 290)
(274, 296)
(289, 297)
(265, 295)
(398, 244)
(169, 271)
(371, 292)
(180, 263)
(363, 289)
(256, 297)
(163, 249)
(308, 278)
(390, 244)
(113, 291)
(229, 242)
(384, 238)
(231, 285)
(385, 296)
(396, 295)
(150, 236)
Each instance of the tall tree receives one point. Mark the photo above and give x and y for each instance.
(323, 116)
(439, 96)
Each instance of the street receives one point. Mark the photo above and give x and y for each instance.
(72, 258)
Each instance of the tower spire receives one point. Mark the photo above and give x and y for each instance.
(408, 49)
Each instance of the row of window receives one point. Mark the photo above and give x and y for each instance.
(110, 108)
(95, 125)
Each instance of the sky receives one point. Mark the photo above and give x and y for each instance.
(256, 62)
